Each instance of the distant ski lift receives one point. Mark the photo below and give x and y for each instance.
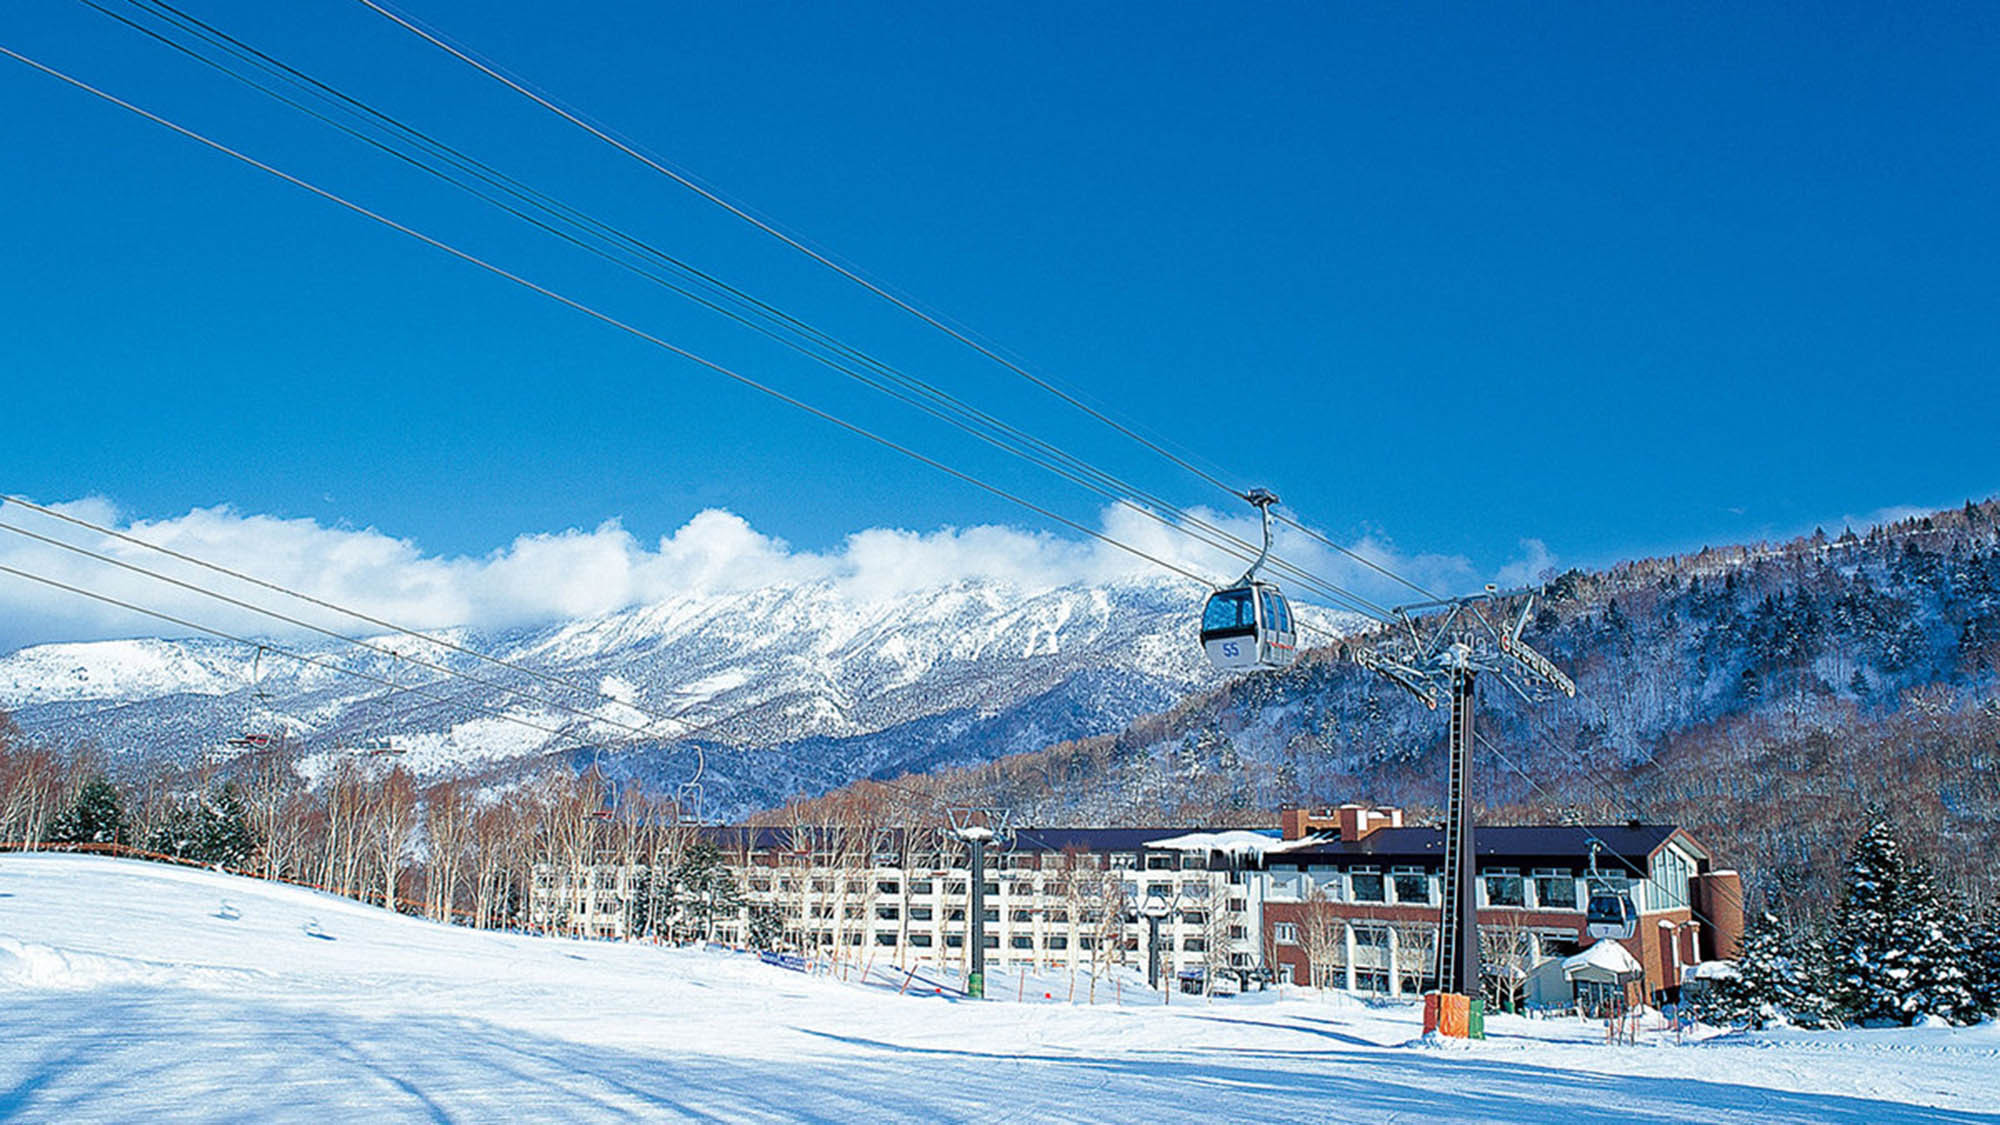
(688, 801)
(257, 723)
(378, 746)
(1248, 626)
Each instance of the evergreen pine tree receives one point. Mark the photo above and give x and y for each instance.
(174, 832)
(1944, 979)
(704, 890)
(207, 829)
(1781, 977)
(97, 816)
(645, 913)
(765, 928)
(226, 837)
(1984, 944)
(1900, 939)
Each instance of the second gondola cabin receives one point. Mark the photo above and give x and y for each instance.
(1248, 628)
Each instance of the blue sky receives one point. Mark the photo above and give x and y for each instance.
(1618, 278)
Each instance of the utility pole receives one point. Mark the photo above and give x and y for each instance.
(1448, 644)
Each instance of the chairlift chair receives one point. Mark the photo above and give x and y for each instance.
(688, 801)
(257, 714)
(1248, 626)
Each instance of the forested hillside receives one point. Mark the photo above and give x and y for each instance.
(1763, 696)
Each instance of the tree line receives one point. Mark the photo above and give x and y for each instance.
(360, 826)
(1899, 949)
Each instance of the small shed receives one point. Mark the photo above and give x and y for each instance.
(1605, 976)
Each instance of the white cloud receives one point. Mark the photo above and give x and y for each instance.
(1536, 564)
(542, 577)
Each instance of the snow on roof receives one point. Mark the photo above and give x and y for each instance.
(1712, 970)
(1232, 842)
(1605, 956)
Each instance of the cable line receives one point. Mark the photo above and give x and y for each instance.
(379, 650)
(796, 244)
(927, 398)
(442, 43)
(601, 316)
(319, 662)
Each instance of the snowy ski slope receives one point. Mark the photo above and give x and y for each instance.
(133, 991)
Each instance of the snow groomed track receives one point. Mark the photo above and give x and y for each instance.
(133, 991)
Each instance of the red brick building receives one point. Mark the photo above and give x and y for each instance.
(1351, 901)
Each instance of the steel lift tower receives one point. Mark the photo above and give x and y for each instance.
(1442, 647)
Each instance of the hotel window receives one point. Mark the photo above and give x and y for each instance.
(1367, 884)
(921, 941)
(885, 939)
(1194, 945)
(1503, 887)
(1124, 861)
(1555, 888)
(1058, 941)
(920, 913)
(920, 886)
(1022, 915)
(887, 887)
(1160, 861)
(1022, 941)
(954, 941)
(1413, 884)
(1285, 933)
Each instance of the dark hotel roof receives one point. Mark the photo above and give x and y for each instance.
(1625, 846)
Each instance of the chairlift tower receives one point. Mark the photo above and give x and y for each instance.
(978, 827)
(1441, 648)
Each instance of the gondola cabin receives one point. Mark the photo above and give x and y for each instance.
(1610, 914)
(1247, 628)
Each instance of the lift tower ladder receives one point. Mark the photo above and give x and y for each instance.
(1447, 645)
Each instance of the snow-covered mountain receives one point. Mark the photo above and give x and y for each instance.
(787, 688)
